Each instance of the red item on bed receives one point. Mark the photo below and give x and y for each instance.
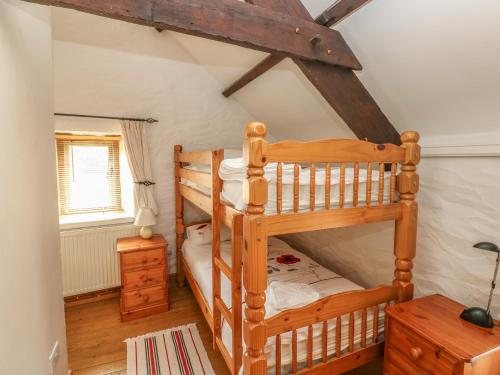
(287, 259)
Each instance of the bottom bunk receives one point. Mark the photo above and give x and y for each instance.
(294, 282)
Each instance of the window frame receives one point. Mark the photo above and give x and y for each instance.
(63, 142)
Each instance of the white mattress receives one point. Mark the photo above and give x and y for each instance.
(233, 173)
(320, 279)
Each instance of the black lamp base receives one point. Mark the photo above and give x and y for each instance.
(477, 316)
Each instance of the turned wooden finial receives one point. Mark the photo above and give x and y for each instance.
(410, 137)
(256, 129)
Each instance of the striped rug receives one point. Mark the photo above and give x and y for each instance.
(176, 351)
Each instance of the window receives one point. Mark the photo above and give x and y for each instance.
(88, 170)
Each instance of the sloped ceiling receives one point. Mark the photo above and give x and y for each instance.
(432, 66)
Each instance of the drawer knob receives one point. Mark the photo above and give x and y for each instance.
(145, 298)
(145, 259)
(416, 352)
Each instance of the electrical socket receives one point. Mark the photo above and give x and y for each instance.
(53, 357)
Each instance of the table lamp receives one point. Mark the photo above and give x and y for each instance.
(478, 315)
(145, 219)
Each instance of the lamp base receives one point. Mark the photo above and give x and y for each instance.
(146, 232)
(477, 316)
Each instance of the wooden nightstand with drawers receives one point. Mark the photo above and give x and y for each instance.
(427, 336)
(144, 276)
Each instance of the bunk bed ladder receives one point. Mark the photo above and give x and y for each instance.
(222, 313)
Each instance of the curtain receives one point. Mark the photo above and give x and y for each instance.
(136, 146)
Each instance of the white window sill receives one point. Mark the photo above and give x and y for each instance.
(99, 219)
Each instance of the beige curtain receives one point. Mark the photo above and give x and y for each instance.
(136, 146)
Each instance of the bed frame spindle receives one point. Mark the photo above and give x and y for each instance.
(394, 168)
(279, 188)
(309, 346)
(294, 351)
(375, 324)
(296, 187)
(312, 187)
(351, 331)
(324, 342)
(278, 354)
(381, 183)
(369, 169)
(328, 185)
(356, 185)
(342, 185)
(338, 336)
(364, 318)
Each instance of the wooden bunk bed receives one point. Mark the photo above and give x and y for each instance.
(252, 227)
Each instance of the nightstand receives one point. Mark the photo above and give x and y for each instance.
(427, 336)
(144, 276)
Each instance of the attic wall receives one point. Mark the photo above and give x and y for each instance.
(32, 309)
(108, 67)
(458, 207)
(429, 64)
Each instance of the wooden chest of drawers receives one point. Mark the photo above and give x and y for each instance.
(427, 336)
(144, 276)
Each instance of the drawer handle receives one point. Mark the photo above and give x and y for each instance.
(144, 260)
(416, 352)
(145, 298)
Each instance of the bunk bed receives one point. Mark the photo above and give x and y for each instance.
(347, 182)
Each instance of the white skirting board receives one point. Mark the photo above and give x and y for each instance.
(89, 258)
(461, 145)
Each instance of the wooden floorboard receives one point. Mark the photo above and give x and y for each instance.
(95, 334)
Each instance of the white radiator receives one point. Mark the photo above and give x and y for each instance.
(89, 259)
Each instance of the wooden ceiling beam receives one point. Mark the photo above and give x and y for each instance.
(345, 93)
(228, 21)
(342, 89)
(295, 8)
(338, 11)
(329, 17)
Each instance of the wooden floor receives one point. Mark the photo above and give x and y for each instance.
(95, 335)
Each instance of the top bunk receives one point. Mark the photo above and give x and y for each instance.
(301, 186)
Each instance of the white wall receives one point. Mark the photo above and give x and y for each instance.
(458, 207)
(31, 312)
(108, 67)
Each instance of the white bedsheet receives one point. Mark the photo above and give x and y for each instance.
(321, 281)
(233, 173)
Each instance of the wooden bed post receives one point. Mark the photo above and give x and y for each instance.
(255, 250)
(179, 219)
(406, 227)
(217, 157)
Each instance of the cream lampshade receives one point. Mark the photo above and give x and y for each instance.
(145, 219)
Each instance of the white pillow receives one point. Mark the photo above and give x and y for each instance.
(202, 234)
